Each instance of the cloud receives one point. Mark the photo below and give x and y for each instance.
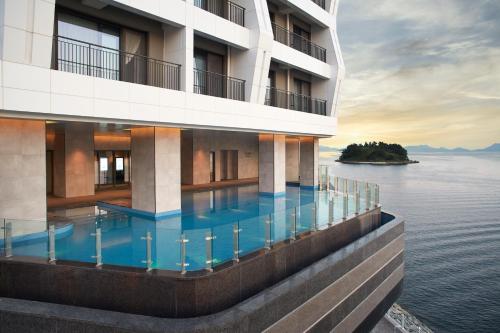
(420, 70)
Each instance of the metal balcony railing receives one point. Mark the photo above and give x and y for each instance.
(292, 101)
(320, 3)
(298, 42)
(218, 85)
(74, 56)
(223, 8)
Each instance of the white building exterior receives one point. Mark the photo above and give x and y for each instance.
(52, 84)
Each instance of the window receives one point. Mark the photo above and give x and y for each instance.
(87, 47)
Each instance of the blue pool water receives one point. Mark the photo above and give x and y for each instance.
(208, 211)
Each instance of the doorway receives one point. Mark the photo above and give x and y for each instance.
(229, 164)
(112, 168)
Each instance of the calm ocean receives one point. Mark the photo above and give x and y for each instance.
(451, 205)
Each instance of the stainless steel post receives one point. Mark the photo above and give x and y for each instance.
(345, 206)
(236, 242)
(208, 250)
(315, 211)
(368, 197)
(336, 185)
(52, 243)
(8, 239)
(328, 183)
(331, 207)
(377, 195)
(183, 262)
(98, 247)
(149, 260)
(293, 226)
(356, 198)
(268, 242)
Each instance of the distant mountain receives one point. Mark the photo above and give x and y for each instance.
(428, 149)
(493, 148)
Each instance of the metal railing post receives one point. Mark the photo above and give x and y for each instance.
(236, 242)
(52, 243)
(368, 197)
(98, 247)
(315, 211)
(345, 206)
(293, 226)
(8, 239)
(268, 241)
(331, 207)
(183, 262)
(328, 183)
(336, 187)
(356, 198)
(149, 260)
(377, 195)
(208, 250)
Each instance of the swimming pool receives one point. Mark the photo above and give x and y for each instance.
(215, 227)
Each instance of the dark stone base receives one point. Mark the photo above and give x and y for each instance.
(358, 270)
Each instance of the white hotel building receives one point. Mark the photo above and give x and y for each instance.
(159, 172)
(159, 94)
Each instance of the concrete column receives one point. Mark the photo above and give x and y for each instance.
(178, 49)
(22, 170)
(74, 173)
(309, 161)
(292, 159)
(156, 170)
(272, 174)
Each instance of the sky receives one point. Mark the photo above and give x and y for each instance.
(420, 72)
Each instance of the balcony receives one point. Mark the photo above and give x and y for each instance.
(223, 8)
(298, 42)
(293, 101)
(218, 85)
(320, 3)
(79, 57)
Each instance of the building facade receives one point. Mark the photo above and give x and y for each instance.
(162, 93)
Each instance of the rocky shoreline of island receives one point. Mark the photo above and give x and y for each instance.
(379, 163)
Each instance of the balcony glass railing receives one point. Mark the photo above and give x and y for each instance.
(114, 238)
(320, 3)
(79, 57)
(298, 42)
(292, 101)
(218, 85)
(223, 8)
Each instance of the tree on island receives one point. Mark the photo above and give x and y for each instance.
(374, 152)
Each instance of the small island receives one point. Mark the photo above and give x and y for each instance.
(376, 153)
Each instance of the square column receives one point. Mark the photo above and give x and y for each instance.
(309, 161)
(22, 170)
(74, 173)
(156, 170)
(272, 164)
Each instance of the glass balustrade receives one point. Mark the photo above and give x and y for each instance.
(179, 244)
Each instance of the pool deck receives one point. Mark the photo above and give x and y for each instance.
(123, 196)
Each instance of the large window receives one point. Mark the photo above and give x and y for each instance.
(88, 47)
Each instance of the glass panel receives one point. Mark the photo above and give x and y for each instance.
(196, 249)
(25, 238)
(252, 234)
(222, 249)
(82, 57)
(306, 217)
